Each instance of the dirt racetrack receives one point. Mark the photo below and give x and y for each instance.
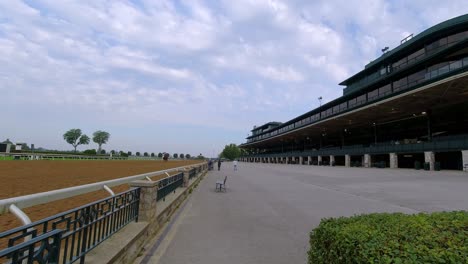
(19, 178)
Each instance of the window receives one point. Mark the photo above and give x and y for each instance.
(416, 55)
(352, 102)
(336, 109)
(373, 95)
(400, 84)
(361, 99)
(416, 78)
(385, 90)
(343, 106)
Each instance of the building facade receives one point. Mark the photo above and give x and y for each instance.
(407, 108)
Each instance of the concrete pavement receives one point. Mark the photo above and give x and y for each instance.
(269, 209)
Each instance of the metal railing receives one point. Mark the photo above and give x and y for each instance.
(192, 173)
(43, 248)
(168, 185)
(81, 229)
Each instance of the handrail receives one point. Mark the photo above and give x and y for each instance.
(49, 196)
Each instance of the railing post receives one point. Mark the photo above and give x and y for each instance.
(147, 204)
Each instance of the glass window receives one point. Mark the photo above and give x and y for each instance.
(416, 77)
(385, 90)
(352, 102)
(361, 99)
(373, 95)
(416, 55)
(400, 84)
(343, 106)
(336, 109)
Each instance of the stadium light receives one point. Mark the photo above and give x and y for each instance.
(320, 100)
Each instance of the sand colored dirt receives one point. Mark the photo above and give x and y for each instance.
(19, 178)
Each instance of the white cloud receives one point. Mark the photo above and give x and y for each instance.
(225, 65)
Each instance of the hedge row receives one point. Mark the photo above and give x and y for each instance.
(391, 238)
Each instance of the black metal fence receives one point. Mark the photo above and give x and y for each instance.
(193, 173)
(67, 237)
(169, 184)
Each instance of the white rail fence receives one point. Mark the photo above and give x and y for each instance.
(50, 196)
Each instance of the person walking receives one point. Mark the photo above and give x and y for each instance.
(219, 164)
(235, 165)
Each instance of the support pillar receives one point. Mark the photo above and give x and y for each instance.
(347, 160)
(430, 158)
(465, 159)
(332, 160)
(319, 160)
(301, 160)
(147, 204)
(393, 161)
(367, 161)
(186, 177)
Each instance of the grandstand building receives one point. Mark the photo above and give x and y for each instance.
(406, 109)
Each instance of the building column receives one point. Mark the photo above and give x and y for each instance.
(367, 161)
(332, 160)
(464, 158)
(347, 160)
(429, 157)
(186, 177)
(319, 160)
(301, 159)
(393, 161)
(309, 160)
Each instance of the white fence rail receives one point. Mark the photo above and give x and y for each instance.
(50, 196)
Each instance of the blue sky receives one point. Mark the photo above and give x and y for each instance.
(186, 76)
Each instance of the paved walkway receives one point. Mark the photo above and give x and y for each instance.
(268, 210)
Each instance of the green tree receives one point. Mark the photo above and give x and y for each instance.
(152, 154)
(166, 156)
(75, 137)
(103, 152)
(129, 153)
(145, 154)
(175, 155)
(137, 153)
(181, 155)
(100, 137)
(160, 155)
(187, 156)
(90, 152)
(231, 152)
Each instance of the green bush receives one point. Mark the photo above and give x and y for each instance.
(391, 238)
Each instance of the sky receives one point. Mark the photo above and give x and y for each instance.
(186, 76)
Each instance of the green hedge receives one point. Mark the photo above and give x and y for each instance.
(391, 238)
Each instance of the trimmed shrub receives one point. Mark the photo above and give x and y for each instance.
(391, 238)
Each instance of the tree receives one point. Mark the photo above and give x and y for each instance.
(129, 153)
(90, 152)
(160, 155)
(100, 137)
(187, 156)
(175, 155)
(123, 154)
(137, 153)
(112, 152)
(103, 152)
(75, 138)
(166, 156)
(231, 152)
(152, 154)
(145, 154)
(181, 155)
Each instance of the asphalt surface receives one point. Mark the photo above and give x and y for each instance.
(268, 210)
